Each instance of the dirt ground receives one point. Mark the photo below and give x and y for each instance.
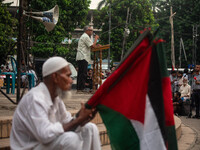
(7, 108)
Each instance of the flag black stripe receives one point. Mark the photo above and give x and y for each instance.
(155, 91)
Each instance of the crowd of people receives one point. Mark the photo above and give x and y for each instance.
(186, 91)
(88, 88)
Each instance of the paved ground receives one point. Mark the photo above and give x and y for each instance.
(194, 125)
(190, 139)
(7, 108)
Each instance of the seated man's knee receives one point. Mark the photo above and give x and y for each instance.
(70, 140)
(90, 127)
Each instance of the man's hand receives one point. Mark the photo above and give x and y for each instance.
(86, 115)
(83, 117)
(96, 37)
(95, 41)
(92, 115)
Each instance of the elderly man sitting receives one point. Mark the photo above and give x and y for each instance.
(185, 90)
(41, 121)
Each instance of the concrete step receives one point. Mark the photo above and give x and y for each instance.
(6, 123)
(5, 126)
(106, 147)
(103, 134)
(178, 127)
(5, 144)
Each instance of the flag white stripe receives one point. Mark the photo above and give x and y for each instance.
(149, 134)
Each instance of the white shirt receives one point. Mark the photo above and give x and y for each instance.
(37, 120)
(185, 90)
(84, 48)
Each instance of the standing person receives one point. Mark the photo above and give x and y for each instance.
(196, 90)
(180, 80)
(192, 83)
(41, 121)
(83, 56)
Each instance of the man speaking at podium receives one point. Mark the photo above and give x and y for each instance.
(83, 56)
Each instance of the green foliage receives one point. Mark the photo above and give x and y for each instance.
(186, 16)
(71, 56)
(140, 17)
(7, 23)
(71, 15)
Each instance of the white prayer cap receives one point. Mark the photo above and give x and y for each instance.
(53, 64)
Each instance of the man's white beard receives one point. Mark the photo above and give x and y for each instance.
(64, 95)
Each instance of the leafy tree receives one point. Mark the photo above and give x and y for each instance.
(71, 56)
(185, 18)
(139, 17)
(72, 14)
(7, 24)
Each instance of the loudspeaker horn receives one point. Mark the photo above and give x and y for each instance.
(50, 18)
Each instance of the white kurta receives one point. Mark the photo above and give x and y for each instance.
(37, 123)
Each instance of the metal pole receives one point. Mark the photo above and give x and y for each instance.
(172, 38)
(109, 35)
(183, 49)
(19, 47)
(195, 45)
(125, 34)
(180, 55)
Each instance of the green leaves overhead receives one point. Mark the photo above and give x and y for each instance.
(7, 24)
(139, 17)
(185, 18)
(72, 14)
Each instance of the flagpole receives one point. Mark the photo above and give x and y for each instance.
(109, 35)
(19, 47)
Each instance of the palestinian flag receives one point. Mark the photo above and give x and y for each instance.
(135, 102)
